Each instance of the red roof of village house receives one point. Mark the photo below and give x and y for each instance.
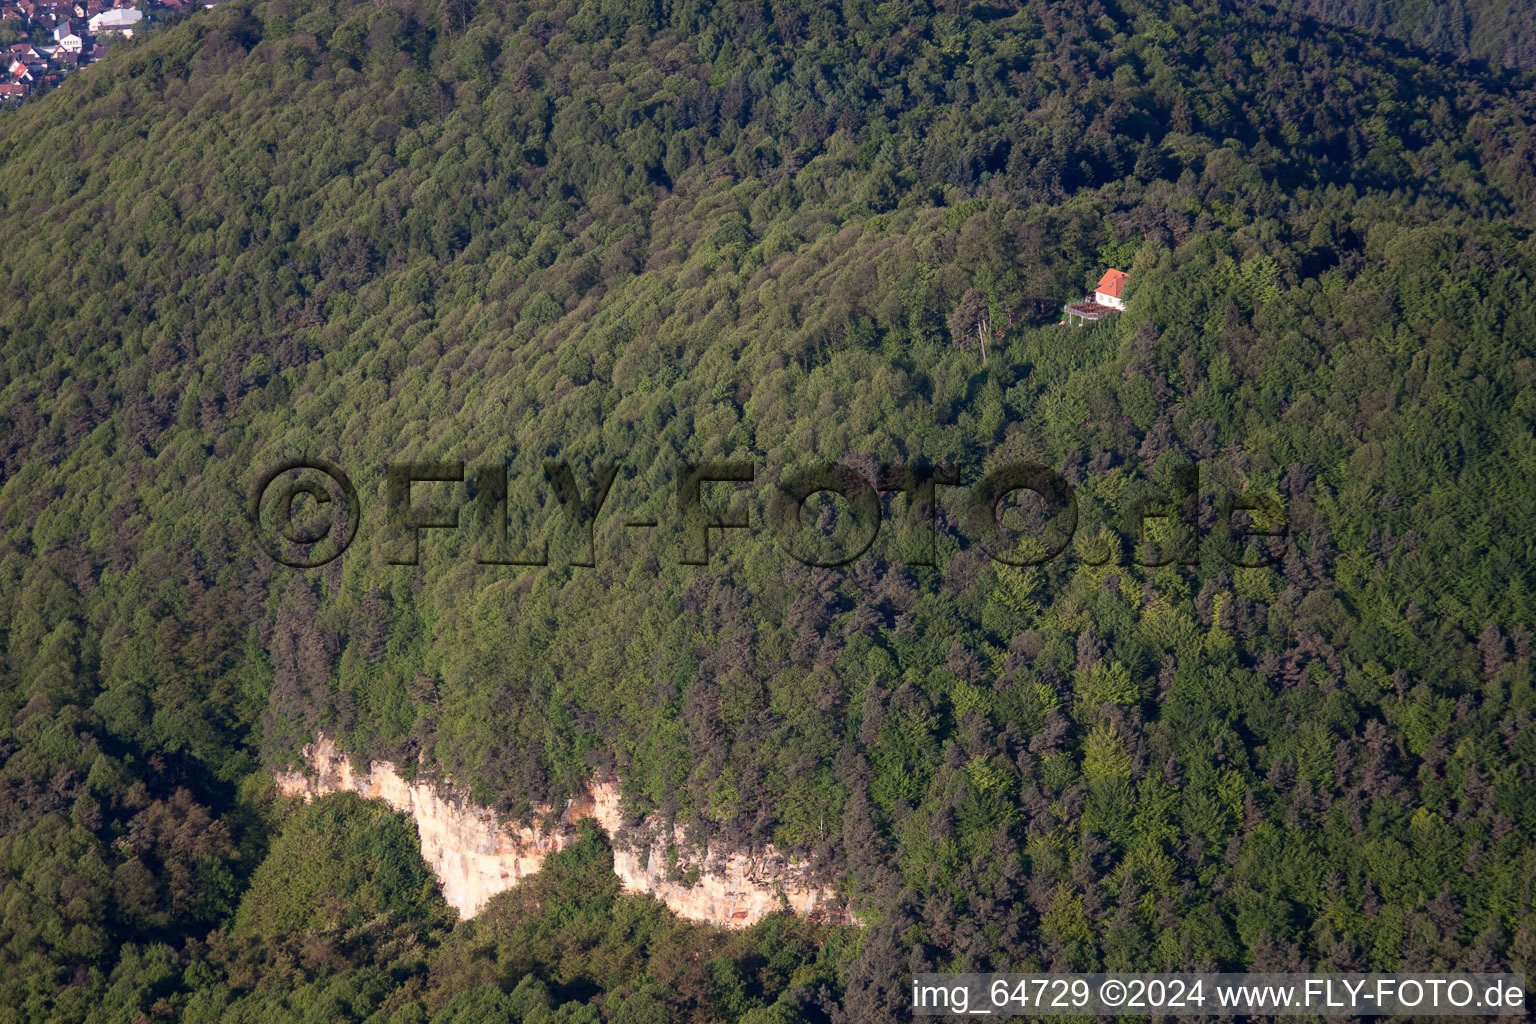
(1111, 283)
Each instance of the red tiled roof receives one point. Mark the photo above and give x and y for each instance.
(1111, 283)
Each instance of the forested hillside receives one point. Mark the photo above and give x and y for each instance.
(650, 234)
(1499, 32)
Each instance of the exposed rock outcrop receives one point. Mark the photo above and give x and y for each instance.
(475, 855)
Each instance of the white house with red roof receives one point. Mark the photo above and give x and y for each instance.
(1108, 291)
(1108, 297)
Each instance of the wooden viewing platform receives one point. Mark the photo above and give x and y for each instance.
(1088, 310)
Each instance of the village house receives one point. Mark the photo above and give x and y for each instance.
(67, 39)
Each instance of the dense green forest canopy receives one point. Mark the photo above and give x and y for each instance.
(651, 234)
(1498, 32)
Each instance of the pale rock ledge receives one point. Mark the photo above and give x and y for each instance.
(475, 855)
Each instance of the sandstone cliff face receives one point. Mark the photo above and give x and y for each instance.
(475, 855)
